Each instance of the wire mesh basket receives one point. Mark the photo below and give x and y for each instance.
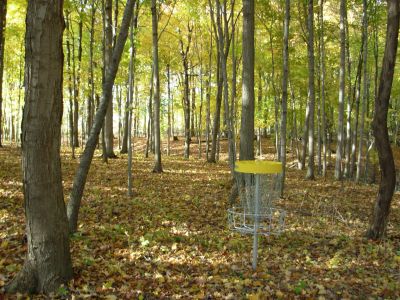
(270, 222)
(259, 185)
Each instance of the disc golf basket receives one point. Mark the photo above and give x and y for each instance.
(259, 184)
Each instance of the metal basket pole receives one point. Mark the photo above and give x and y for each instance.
(256, 220)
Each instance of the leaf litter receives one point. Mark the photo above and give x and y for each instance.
(171, 240)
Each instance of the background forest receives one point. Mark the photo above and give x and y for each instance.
(177, 109)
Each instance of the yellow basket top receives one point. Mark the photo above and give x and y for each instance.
(258, 167)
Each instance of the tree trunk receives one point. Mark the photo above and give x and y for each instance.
(356, 96)
(285, 90)
(388, 175)
(276, 104)
(169, 110)
(48, 263)
(186, 107)
(224, 45)
(217, 114)
(90, 100)
(131, 85)
(193, 109)
(3, 14)
(70, 89)
(247, 122)
(208, 97)
(124, 148)
(150, 116)
(156, 77)
(311, 89)
(294, 125)
(87, 156)
(118, 93)
(108, 48)
(77, 81)
(184, 51)
(365, 89)
(322, 91)
(199, 123)
(259, 115)
(342, 74)
(347, 145)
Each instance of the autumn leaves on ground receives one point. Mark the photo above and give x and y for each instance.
(171, 240)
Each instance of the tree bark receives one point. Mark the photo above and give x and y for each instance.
(108, 48)
(388, 174)
(70, 89)
(247, 121)
(90, 100)
(3, 14)
(365, 89)
(77, 80)
(149, 132)
(184, 51)
(285, 90)
(156, 77)
(322, 91)
(347, 144)
(342, 74)
(48, 262)
(169, 110)
(131, 86)
(87, 156)
(208, 97)
(356, 97)
(311, 89)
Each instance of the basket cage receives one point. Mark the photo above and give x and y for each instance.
(244, 216)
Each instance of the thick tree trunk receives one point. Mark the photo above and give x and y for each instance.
(156, 77)
(48, 262)
(87, 156)
(311, 89)
(247, 122)
(3, 14)
(285, 90)
(108, 48)
(342, 75)
(388, 174)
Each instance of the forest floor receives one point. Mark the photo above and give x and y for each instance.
(172, 240)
